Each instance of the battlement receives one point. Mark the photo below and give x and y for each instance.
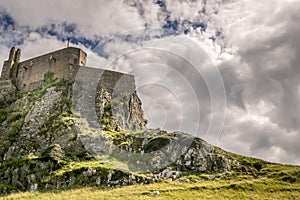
(63, 63)
(30, 73)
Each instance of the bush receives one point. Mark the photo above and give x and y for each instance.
(15, 129)
(3, 114)
(49, 77)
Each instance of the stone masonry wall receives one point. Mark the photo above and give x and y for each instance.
(63, 63)
(116, 82)
(120, 106)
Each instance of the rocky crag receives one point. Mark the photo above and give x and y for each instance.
(44, 143)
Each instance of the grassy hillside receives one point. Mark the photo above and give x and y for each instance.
(270, 181)
(54, 157)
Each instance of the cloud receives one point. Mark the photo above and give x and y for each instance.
(256, 135)
(92, 18)
(255, 45)
(262, 79)
(187, 10)
(173, 54)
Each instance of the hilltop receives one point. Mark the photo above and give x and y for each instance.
(42, 150)
(66, 133)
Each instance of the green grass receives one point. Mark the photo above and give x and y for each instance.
(208, 189)
(271, 181)
(253, 179)
(78, 165)
(268, 183)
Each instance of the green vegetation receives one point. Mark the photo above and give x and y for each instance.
(49, 77)
(107, 118)
(252, 179)
(269, 183)
(72, 166)
(126, 139)
(201, 189)
(3, 113)
(133, 140)
(14, 110)
(18, 162)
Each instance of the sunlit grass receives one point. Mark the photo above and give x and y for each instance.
(208, 189)
(266, 181)
(272, 181)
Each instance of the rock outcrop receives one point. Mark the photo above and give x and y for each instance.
(46, 145)
(7, 89)
(121, 112)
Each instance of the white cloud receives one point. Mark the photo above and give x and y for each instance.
(92, 17)
(257, 53)
(264, 69)
(188, 10)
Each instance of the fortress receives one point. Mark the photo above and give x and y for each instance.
(64, 64)
(30, 73)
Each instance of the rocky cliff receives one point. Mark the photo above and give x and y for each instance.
(45, 144)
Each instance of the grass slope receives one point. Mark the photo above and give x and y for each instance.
(272, 181)
(254, 179)
(208, 189)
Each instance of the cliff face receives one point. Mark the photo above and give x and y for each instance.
(44, 143)
(122, 112)
(33, 121)
(118, 106)
(7, 90)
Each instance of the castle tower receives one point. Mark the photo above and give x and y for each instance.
(14, 58)
(15, 66)
(29, 74)
(12, 53)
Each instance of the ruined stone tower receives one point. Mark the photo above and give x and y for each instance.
(64, 64)
(30, 73)
(10, 66)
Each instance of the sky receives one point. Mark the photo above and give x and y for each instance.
(253, 45)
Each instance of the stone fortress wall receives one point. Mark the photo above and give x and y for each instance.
(30, 73)
(116, 82)
(64, 64)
